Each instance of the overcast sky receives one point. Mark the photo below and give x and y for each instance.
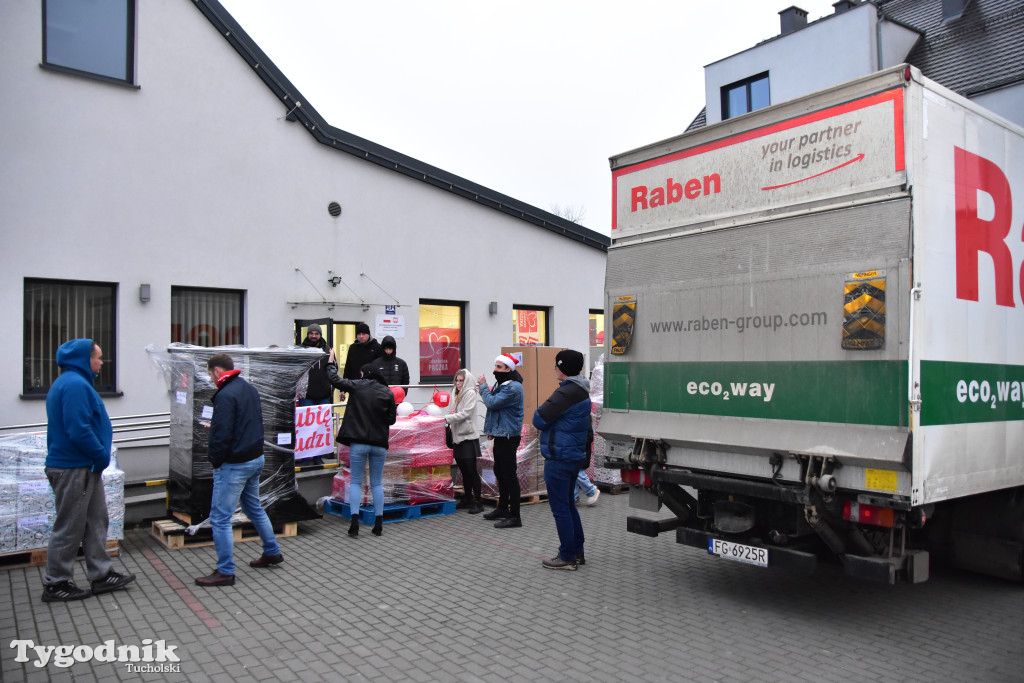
(529, 98)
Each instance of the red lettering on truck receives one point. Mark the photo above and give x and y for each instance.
(643, 197)
(975, 234)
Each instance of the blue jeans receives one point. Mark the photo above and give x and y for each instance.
(234, 482)
(583, 482)
(560, 478)
(358, 454)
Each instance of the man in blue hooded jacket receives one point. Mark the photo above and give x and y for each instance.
(565, 437)
(78, 439)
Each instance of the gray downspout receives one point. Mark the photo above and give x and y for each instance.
(878, 36)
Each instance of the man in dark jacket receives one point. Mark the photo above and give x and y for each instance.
(235, 449)
(365, 430)
(318, 387)
(362, 351)
(565, 434)
(78, 439)
(393, 369)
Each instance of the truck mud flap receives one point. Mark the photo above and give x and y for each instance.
(796, 561)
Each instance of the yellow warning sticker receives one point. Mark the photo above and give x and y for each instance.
(880, 480)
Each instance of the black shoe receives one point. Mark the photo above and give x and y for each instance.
(111, 582)
(508, 523)
(580, 559)
(216, 579)
(475, 509)
(265, 560)
(463, 504)
(64, 591)
(378, 525)
(497, 513)
(353, 528)
(557, 562)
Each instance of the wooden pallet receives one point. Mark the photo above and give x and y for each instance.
(392, 513)
(37, 556)
(174, 535)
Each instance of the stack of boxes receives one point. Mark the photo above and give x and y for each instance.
(26, 499)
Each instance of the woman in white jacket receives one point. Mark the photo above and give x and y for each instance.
(462, 420)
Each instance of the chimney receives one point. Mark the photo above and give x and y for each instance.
(793, 19)
(844, 5)
(953, 9)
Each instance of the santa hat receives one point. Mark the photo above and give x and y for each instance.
(506, 359)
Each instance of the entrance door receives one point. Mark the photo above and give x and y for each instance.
(326, 327)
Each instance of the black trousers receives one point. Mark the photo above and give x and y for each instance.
(505, 473)
(466, 453)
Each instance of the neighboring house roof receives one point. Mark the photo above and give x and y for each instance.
(699, 121)
(300, 110)
(981, 50)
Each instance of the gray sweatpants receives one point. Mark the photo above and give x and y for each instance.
(80, 519)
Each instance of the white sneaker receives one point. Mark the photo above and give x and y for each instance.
(592, 500)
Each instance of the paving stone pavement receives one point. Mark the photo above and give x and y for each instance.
(451, 598)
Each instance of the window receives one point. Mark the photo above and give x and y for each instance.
(442, 339)
(96, 38)
(529, 326)
(596, 328)
(745, 96)
(57, 311)
(206, 317)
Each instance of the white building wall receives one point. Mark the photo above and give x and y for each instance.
(195, 179)
(1007, 102)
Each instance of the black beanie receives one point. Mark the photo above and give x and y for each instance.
(362, 328)
(569, 362)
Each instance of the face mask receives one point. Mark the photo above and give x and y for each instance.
(502, 376)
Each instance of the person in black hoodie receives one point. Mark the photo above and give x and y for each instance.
(365, 430)
(363, 350)
(393, 369)
(318, 389)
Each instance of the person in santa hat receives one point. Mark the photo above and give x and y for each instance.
(504, 425)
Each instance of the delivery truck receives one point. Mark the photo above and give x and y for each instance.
(817, 346)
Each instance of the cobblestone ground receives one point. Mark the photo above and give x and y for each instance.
(451, 598)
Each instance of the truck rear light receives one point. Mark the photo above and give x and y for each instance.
(636, 477)
(868, 514)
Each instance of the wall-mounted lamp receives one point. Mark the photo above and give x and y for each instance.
(144, 293)
(492, 308)
(335, 281)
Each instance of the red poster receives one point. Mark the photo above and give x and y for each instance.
(439, 351)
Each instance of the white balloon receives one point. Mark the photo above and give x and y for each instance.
(404, 409)
(434, 410)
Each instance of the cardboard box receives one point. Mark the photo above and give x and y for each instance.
(538, 371)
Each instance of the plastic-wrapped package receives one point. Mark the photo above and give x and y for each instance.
(275, 373)
(417, 469)
(601, 474)
(26, 499)
(529, 466)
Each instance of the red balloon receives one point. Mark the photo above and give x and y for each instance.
(442, 399)
(399, 393)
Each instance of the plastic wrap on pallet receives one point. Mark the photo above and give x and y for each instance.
(26, 499)
(529, 466)
(275, 373)
(417, 468)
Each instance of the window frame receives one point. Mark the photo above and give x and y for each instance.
(546, 341)
(107, 339)
(463, 342)
(177, 289)
(746, 84)
(130, 31)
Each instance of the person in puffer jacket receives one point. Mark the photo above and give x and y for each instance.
(365, 430)
(565, 434)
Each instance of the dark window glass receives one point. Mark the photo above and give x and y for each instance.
(745, 96)
(206, 317)
(90, 36)
(57, 311)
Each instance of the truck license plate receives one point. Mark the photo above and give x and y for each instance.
(738, 552)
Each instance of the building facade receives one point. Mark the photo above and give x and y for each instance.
(164, 181)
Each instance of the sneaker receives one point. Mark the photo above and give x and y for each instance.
(557, 562)
(580, 560)
(63, 591)
(508, 523)
(496, 513)
(111, 582)
(593, 499)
